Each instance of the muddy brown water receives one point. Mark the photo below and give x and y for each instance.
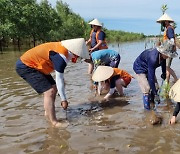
(122, 126)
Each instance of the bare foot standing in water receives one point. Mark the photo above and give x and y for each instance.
(35, 66)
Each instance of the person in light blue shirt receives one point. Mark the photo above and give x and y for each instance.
(106, 57)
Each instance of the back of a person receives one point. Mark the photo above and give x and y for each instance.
(38, 57)
(141, 63)
(104, 54)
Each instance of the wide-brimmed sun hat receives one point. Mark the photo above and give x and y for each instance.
(165, 17)
(174, 92)
(167, 49)
(95, 22)
(77, 46)
(102, 73)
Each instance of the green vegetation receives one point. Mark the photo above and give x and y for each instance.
(164, 8)
(26, 22)
(121, 36)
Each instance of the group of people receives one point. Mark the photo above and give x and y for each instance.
(35, 66)
(150, 59)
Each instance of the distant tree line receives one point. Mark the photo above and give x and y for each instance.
(26, 22)
(121, 36)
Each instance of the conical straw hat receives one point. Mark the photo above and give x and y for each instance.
(102, 73)
(95, 22)
(174, 92)
(77, 46)
(165, 17)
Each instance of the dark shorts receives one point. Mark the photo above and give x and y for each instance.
(38, 81)
(113, 81)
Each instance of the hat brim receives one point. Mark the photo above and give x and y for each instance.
(169, 54)
(95, 22)
(96, 25)
(160, 21)
(174, 92)
(102, 73)
(77, 46)
(164, 18)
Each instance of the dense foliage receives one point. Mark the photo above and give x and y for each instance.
(121, 36)
(26, 22)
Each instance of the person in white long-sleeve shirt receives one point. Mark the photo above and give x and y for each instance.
(35, 66)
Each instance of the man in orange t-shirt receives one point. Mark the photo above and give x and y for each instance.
(35, 66)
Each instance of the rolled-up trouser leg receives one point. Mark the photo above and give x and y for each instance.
(143, 83)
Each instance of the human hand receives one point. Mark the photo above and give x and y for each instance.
(173, 120)
(87, 42)
(91, 50)
(156, 99)
(64, 104)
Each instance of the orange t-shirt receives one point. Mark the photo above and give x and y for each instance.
(38, 57)
(123, 74)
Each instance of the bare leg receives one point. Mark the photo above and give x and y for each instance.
(119, 86)
(90, 68)
(170, 71)
(49, 106)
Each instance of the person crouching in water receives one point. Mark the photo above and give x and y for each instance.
(174, 94)
(35, 66)
(145, 66)
(114, 78)
(105, 57)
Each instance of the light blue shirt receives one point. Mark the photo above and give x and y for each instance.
(104, 57)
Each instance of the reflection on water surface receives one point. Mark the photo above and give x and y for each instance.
(120, 126)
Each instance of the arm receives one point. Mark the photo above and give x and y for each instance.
(60, 85)
(177, 109)
(151, 77)
(112, 88)
(96, 46)
(109, 94)
(59, 66)
(153, 61)
(61, 89)
(163, 68)
(88, 41)
(101, 38)
(175, 113)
